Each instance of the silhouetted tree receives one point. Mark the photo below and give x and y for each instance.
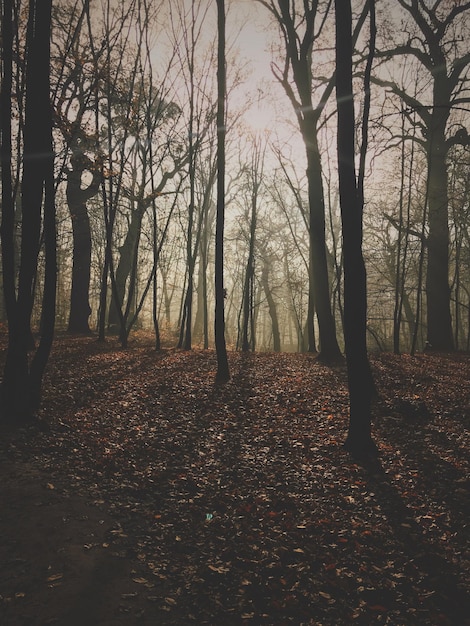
(439, 45)
(223, 372)
(75, 89)
(300, 29)
(359, 441)
(22, 380)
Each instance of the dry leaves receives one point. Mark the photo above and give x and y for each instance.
(240, 501)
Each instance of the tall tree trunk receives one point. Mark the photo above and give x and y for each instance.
(77, 198)
(125, 266)
(359, 440)
(48, 314)
(320, 290)
(299, 48)
(201, 328)
(400, 262)
(156, 323)
(8, 205)
(21, 385)
(272, 309)
(223, 372)
(440, 48)
(199, 317)
(248, 340)
(103, 298)
(439, 320)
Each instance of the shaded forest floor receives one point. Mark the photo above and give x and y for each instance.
(149, 496)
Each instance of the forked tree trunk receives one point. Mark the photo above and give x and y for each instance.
(125, 268)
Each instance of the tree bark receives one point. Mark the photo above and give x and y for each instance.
(21, 385)
(8, 206)
(298, 55)
(223, 372)
(125, 266)
(359, 441)
(272, 310)
(437, 47)
(77, 198)
(439, 320)
(248, 339)
(319, 292)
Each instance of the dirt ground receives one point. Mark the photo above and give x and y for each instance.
(59, 561)
(147, 496)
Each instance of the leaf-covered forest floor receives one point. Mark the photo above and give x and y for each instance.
(147, 495)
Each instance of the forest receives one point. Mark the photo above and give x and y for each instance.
(235, 311)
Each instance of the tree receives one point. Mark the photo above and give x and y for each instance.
(8, 205)
(460, 212)
(207, 180)
(288, 194)
(150, 167)
(75, 90)
(195, 56)
(223, 372)
(402, 246)
(77, 197)
(117, 111)
(271, 306)
(254, 172)
(298, 62)
(22, 379)
(359, 441)
(440, 49)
